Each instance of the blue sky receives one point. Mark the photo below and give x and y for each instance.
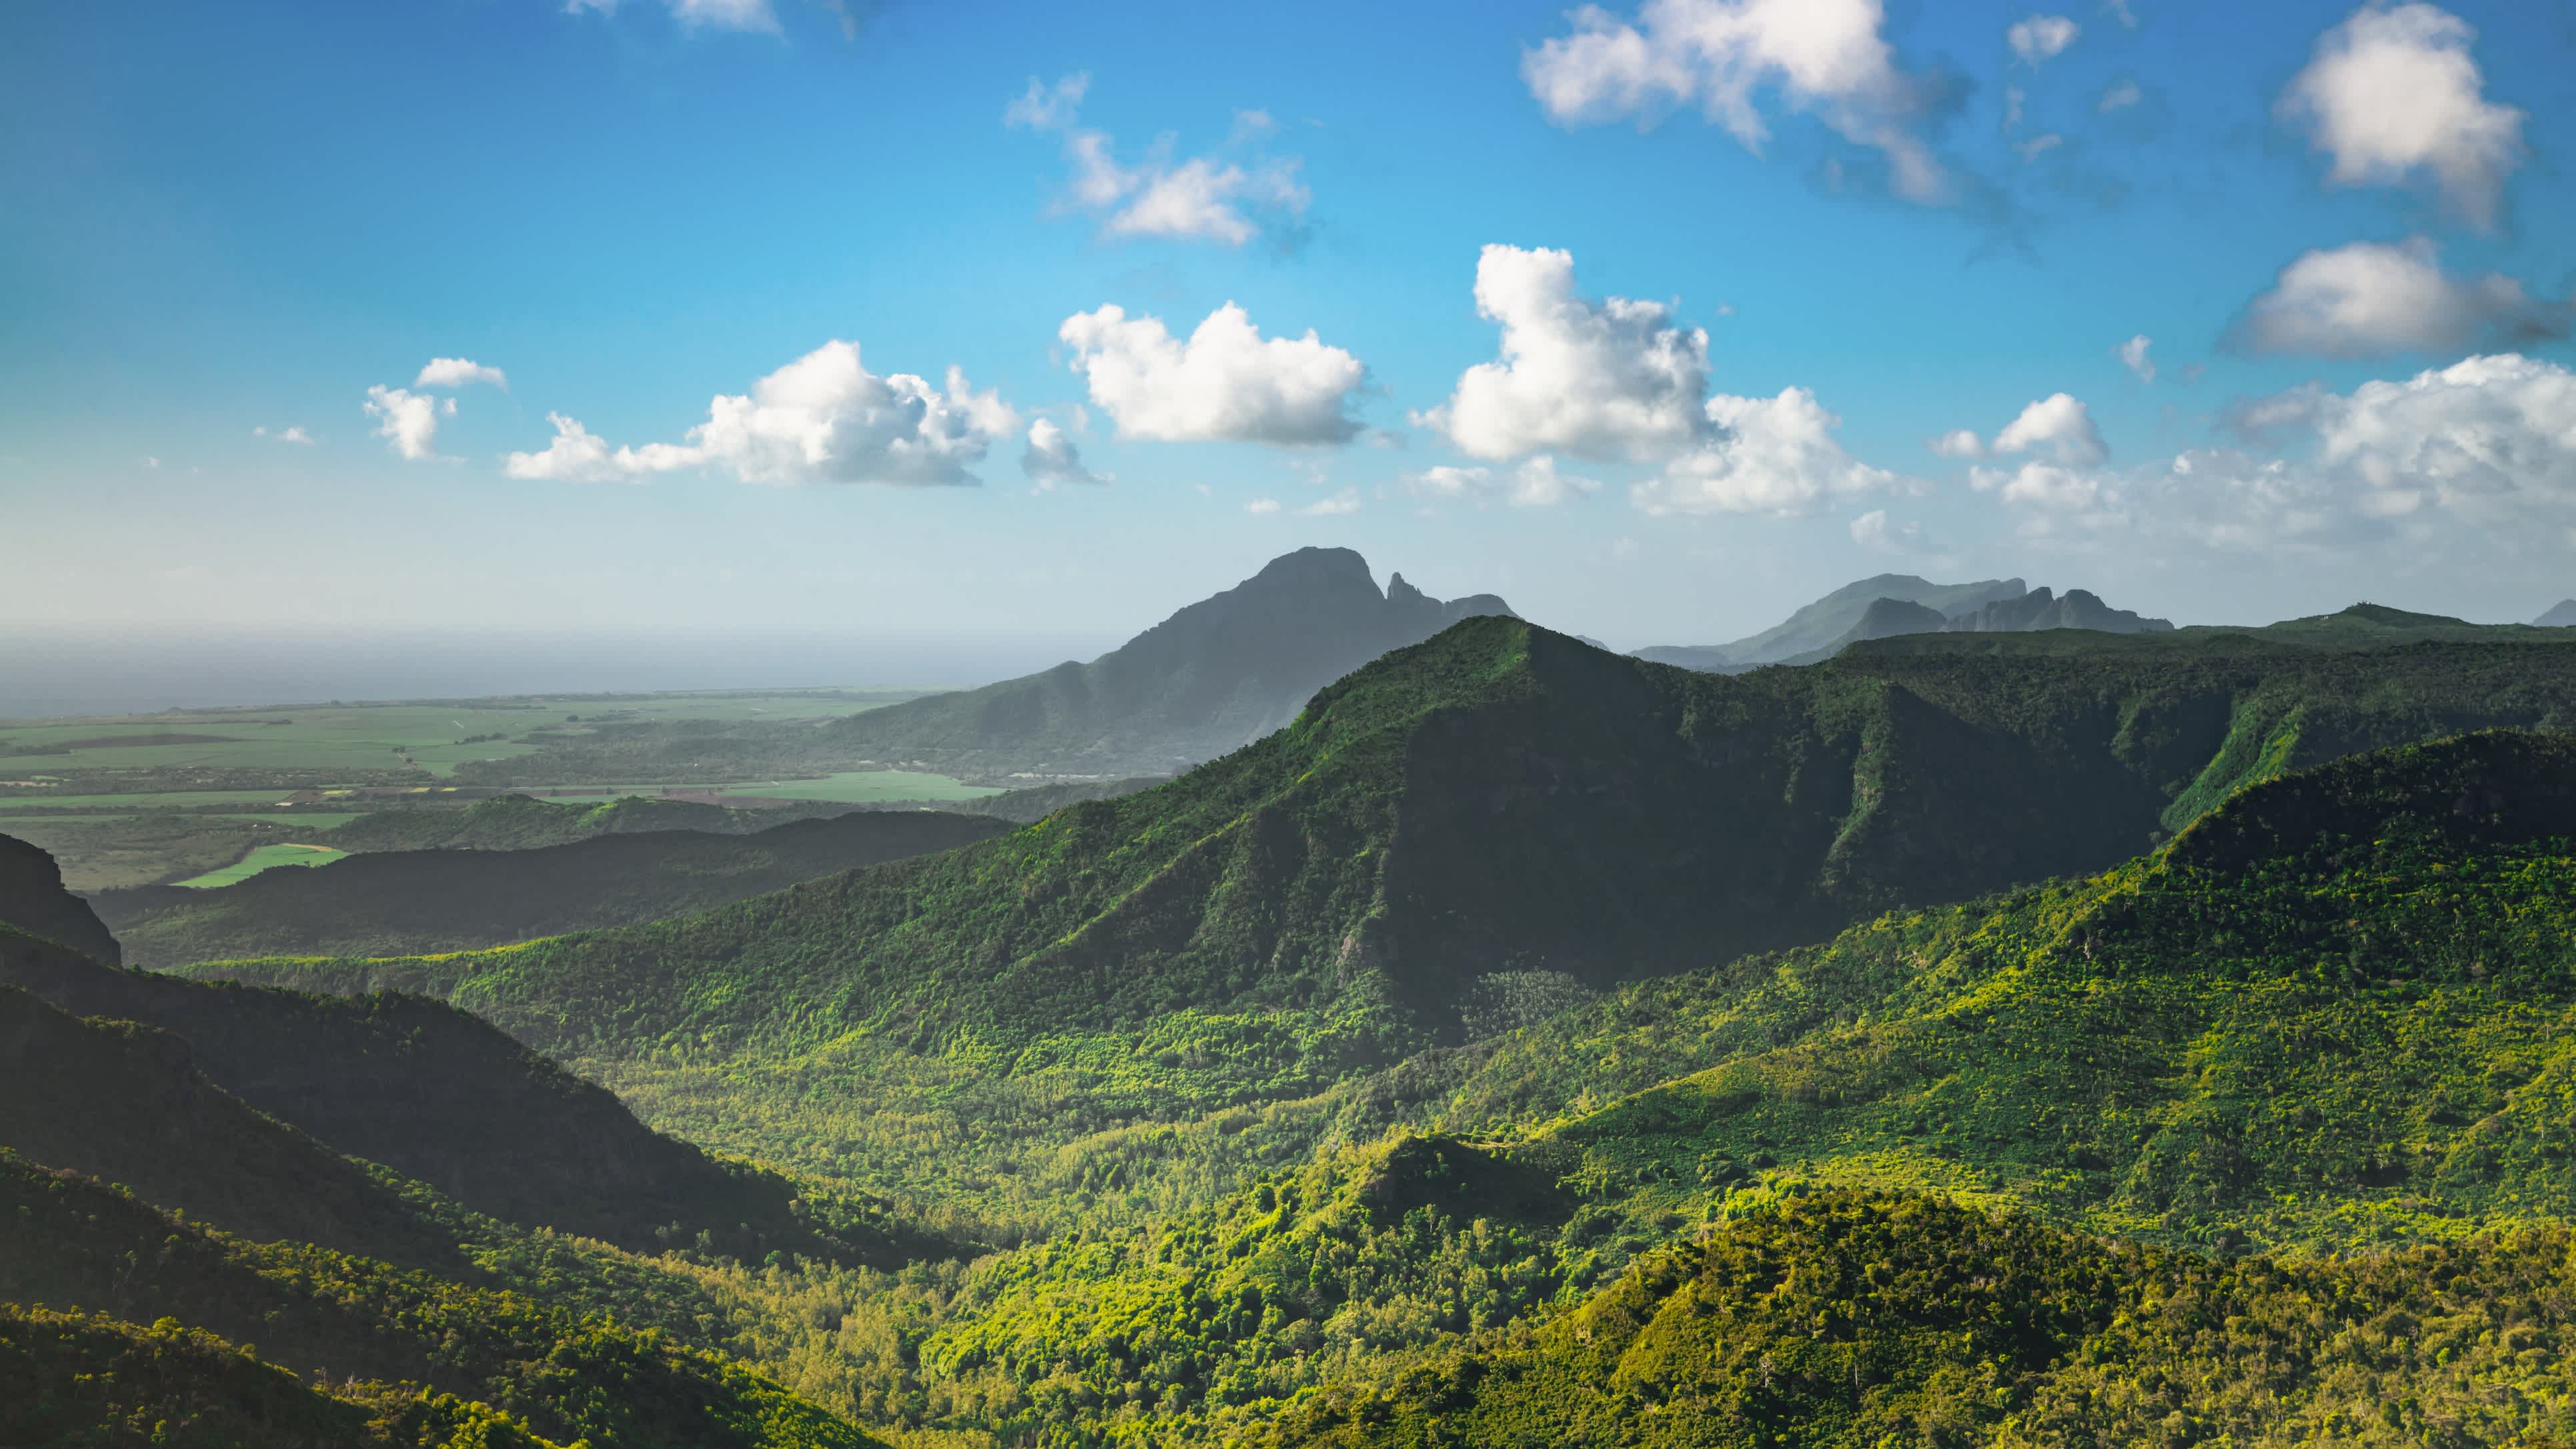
(235, 218)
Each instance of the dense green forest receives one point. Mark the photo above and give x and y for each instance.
(1528, 1046)
(1496, 817)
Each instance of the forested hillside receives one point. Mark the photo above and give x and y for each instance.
(394, 903)
(2337, 1017)
(1501, 800)
(1529, 1046)
(442, 1096)
(32, 900)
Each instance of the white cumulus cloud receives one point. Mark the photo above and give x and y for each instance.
(2119, 96)
(2133, 356)
(1827, 58)
(1052, 458)
(2393, 96)
(2488, 443)
(1346, 501)
(2369, 298)
(455, 372)
(2481, 436)
(408, 421)
(1225, 383)
(1767, 455)
(2041, 37)
(1228, 199)
(823, 418)
(284, 435)
(2057, 426)
(1608, 379)
(1957, 443)
(1874, 531)
(577, 455)
(1536, 483)
(750, 15)
(1262, 506)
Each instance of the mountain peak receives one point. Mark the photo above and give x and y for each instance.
(1215, 676)
(1323, 565)
(2370, 613)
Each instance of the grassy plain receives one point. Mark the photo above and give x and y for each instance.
(266, 857)
(206, 796)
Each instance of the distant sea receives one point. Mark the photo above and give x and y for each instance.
(107, 674)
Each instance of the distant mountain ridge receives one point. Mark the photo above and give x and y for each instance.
(2561, 615)
(1828, 620)
(1210, 679)
(1892, 605)
(1501, 798)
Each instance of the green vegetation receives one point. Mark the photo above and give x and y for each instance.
(1859, 1319)
(442, 1097)
(33, 901)
(396, 902)
(266, 857)
(88, 1381)
(75, 1242)
(1527, 1046)
(1264, 918)
(522, 822)
(170, 797)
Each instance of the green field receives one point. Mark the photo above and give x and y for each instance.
(267, 857)
(850, 787)
(141, 800)
(433, 735)
(208, 796)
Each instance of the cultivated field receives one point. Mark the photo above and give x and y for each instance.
(204, 797)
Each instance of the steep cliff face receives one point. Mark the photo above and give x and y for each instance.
(32, 898)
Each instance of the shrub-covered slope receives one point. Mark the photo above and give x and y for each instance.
(126, 1104)
(440, 1096)
(2341, 1009)
(33, 900)
(2338, 1015)
(89, 1381)
(1854, 1320)
(1500, 800)
(75, 1243)
(397, 903)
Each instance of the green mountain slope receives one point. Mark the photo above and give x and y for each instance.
(2360, 627)
(96, 1382)
(1850, 1319)
(396, 903)
(126, 1104)
(442, 1097)
(1211, 678)
(2337, 1015)
(77, 1243)
(1499, 800)
(1041, 1027)
(33, 900)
